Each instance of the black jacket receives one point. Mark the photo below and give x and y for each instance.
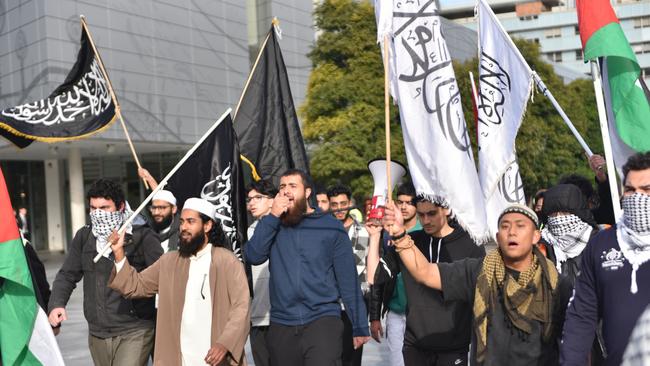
(107, 312)
(431, 323)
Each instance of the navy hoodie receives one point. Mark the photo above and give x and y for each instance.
(602, 291)
(312, 267)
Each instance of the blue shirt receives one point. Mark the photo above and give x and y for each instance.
(312, 267)
(602, 291)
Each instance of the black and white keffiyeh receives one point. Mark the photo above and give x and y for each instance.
(103, 223)
(568, 234)
(633, 232)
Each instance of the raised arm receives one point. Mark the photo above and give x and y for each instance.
(258, 248)
(126, 280)
(144, 174)
(374, 233)
(415, 262)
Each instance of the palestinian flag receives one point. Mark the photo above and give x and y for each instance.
(26, 337)
(626, 95)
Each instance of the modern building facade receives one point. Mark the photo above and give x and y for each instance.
(554, 25)
(175, 67)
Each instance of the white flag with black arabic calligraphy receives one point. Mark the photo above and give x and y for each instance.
(505, 84)
(437, 144)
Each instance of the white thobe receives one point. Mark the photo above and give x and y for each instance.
(196, 322)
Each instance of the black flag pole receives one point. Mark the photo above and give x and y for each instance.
(118, 110)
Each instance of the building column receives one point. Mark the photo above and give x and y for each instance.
(77, 197)
(54, 209)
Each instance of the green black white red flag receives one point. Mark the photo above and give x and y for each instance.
(626, 94)
(79, 107)
(26, 337)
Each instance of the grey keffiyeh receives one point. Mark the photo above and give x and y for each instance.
(568, 235)
(103, 223)
(633, 232)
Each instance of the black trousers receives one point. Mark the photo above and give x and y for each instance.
(417, 357)
(315, 344)
(259, 346)
(351, 356)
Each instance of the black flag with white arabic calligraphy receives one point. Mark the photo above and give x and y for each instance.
(81, 106)
(214, 172)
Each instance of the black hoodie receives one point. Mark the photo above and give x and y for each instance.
(431, 323)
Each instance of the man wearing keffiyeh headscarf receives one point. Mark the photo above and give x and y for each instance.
(518, 297)
(614, 282)
(569, 227)
(121, 330)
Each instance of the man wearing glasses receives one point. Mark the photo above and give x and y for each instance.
(259, 201)
(164, 220)
(340, 198)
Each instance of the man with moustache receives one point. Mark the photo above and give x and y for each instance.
(163, 213)
(322, 200)
(437, 333)
(203, 293)
(312, 267)
(340, 201)
(518, 298)
(259, 201)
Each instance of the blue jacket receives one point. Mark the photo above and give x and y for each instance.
(602, 291)
(312, 267)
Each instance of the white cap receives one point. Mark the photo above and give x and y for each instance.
(166, 196)
(200, 205)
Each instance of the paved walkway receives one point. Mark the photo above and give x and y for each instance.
(73, 339)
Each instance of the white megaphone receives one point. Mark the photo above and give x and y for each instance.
(377, 168)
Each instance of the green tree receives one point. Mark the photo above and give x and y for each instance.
(343, 115)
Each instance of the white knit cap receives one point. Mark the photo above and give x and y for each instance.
(166, 196)
(200, 205)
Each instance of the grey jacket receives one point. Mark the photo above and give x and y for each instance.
(107, 312)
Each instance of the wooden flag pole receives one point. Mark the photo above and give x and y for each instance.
(118, 110)
(607, 144)
(389, 196)
(163, 182)
(275, 22)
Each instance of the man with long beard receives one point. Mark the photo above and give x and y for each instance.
(203, 305)
(312, 267)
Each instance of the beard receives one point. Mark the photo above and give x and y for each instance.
(164, 224)
(191, 246)
(294, 215)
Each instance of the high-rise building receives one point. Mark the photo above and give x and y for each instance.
(175, 67)
(554, 25)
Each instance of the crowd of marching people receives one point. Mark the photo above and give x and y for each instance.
(566, 284)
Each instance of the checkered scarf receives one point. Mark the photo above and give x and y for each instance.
(633, 232)
(568, 235)
(103, 223)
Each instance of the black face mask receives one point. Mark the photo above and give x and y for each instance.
(164, 224)
(189, 248)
